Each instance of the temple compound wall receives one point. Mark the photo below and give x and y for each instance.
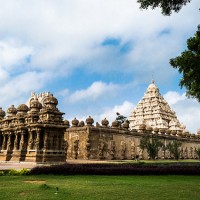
(118, 142)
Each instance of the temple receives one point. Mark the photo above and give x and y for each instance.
(37, 132)
(154, 111)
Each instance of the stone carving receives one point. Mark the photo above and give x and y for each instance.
(154, 111)
(76, 144)
(123, 150)
(101, 147)
(132, 149)
(88, 145)
(112, 150)
(186, 153)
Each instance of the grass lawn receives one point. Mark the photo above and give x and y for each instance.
(100, 187)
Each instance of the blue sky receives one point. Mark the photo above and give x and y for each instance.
(97, 57)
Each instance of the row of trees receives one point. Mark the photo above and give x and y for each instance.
(153, 145)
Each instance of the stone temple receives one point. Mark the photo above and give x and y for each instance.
(155, 112)
(36, 132)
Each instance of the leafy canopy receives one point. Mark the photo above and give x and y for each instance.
(188, 64)
(198, 152)
(120, 118)
(167, 6)
(174, 148)
(152, 145)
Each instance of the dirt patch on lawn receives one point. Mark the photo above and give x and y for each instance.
(35, 181)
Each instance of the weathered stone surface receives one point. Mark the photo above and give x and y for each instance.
(33, 132)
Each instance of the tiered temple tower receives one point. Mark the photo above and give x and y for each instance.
(152, 110)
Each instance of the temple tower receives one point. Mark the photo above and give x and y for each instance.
(153, 110)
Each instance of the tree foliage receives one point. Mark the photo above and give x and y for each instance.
(174, 148)
(152, 145)
(167, 6)
(188, 64)
(198, 152)
(120, 118)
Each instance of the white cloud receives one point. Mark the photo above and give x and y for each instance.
(71, 33)
(13, 54)
(94, 91)
(18, 89)
(124, 109)
(173, 97)
(187, 110)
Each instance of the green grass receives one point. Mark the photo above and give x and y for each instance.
(100, 187)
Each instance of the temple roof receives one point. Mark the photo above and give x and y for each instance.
(153, 110)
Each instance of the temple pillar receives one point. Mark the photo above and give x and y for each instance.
(1, 141)
(4, 145)
(22, 141)
(9, 143)
(30, 144)
(37, 141)
(45, 141)
(16, 147)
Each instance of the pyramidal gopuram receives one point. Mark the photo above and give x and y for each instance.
(153, 110)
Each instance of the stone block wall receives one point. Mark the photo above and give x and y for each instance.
(103, 142)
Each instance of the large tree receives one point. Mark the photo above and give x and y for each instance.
(167, 6)
(188, 64)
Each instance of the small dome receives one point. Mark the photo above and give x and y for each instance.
(12, 110)
(66, 123)
(2, 113)
(50, 100)
(142, 127)
(105, 122)
(115, 124)
(35, 104)
(75, 122)
(22, 108)
(89, 121)
(156, 129)
(126, 124)
(81, 124)
(152, 87)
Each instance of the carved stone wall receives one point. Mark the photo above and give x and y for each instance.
(115, 142)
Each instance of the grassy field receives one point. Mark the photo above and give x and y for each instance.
(100, 187)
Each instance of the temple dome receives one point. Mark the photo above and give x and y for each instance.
(152, 87)
(22, 108)
(2, 113)
(11, 110)
(35, 104)
(50, 100)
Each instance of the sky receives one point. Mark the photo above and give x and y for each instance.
(96, 57)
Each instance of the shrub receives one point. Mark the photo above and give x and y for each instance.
(198, 152)
(2, 173)
(23, 172)
(117, 169)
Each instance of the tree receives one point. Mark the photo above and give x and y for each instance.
(174, 148)
(120, 118)
(198, 152)
(152, 145)
(167, 6)
(188, 64)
